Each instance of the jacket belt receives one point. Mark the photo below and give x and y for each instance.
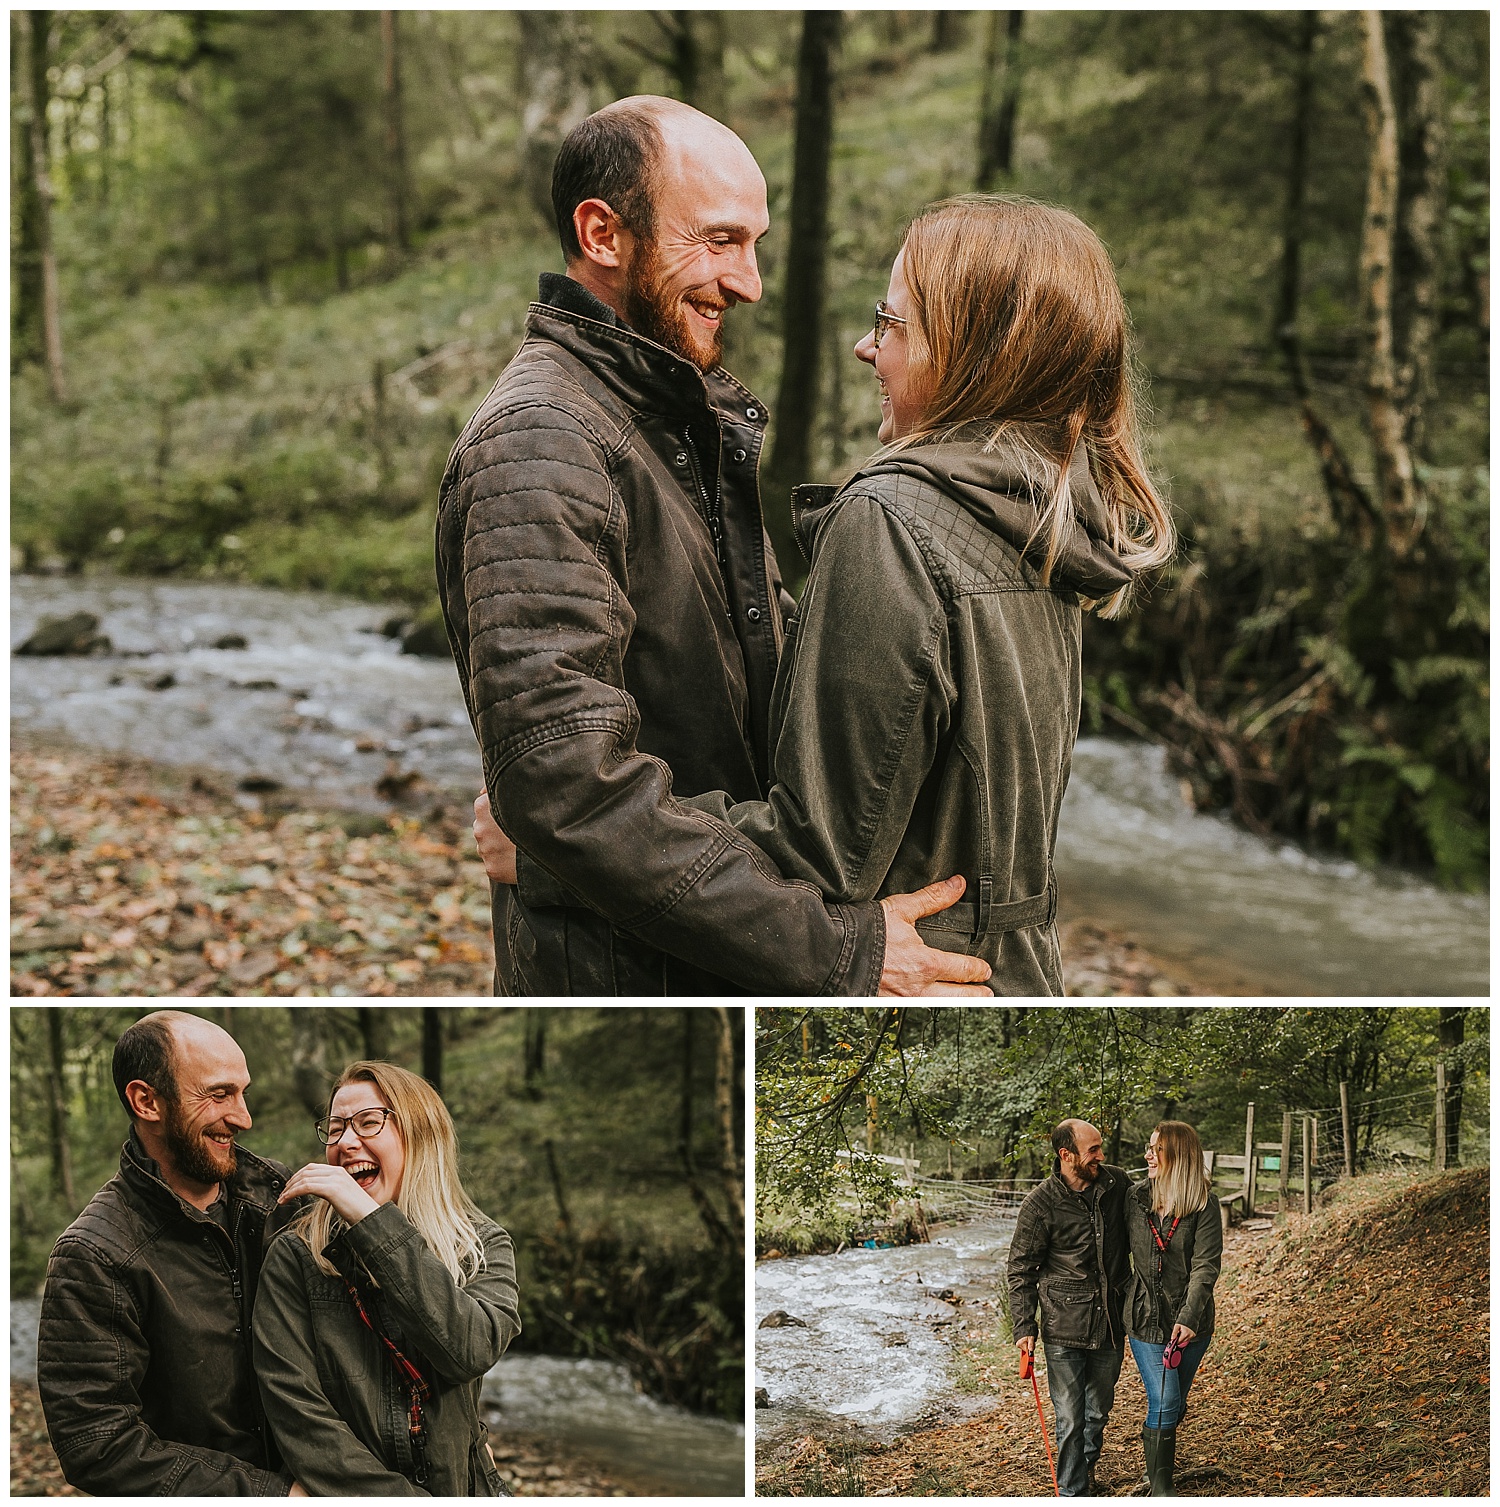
(1015, 915)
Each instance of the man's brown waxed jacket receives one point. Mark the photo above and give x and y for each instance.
(143, 1357)
(616, 617)
(1070, 1253)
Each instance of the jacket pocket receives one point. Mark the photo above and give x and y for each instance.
(1068, 1310)
(566, 949)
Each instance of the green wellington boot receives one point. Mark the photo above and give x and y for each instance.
(1166, 1463)
(1151, 1443)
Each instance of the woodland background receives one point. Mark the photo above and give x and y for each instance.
(264, 264)
(973, 1094)
(606, 1141)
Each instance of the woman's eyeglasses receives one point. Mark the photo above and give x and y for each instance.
(884, 319)
(368, 1124)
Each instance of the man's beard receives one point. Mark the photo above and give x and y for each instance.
(660, 317)
(1087, 1173)
(197, 1159)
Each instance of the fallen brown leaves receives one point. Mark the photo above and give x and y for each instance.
(1097, 961)
(1350, 1357)
(128, 878)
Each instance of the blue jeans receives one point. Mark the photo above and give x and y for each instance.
(1081, 1384)
(1166, 1400)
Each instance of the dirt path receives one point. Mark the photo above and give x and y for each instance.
(1350, 1357)
(129, 877)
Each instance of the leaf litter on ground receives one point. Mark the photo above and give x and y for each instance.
(1350, 1357)
(133, 878)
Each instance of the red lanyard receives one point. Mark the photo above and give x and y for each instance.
(1161, 1243)
(417, 1389)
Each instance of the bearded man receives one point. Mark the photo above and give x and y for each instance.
(615, 608)
(1070, 1254)
(143, 1361)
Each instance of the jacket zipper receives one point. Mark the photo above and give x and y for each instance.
(712, 507)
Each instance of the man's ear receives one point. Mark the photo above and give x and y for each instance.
(601, 236)
(145, 1102)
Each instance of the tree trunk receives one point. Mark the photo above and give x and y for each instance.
(1349, 502)
(373, 1035)
(947, 30)
(802, 307)
(695, 56)
(552, 83)
(1422, 200)
(57, 1105)
(1396, 480)
(309, 1058)
(432, 1046)
(395, 130)
(718, 1231)
(1002, 94)
(731, 1162)
(1450, 1039)
(26, 311)
(534, 1050)
(35, 26)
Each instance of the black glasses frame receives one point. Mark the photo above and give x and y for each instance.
(325, 1127)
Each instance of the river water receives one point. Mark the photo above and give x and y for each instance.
(875, 1353)
(324, 705)
(650, 1448)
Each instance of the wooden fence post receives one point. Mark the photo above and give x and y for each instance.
(1249, 1204)
(1282, 1200)
(1440, 1120)
(1348, 1143)
(1316, 1152)
(1306, 1164)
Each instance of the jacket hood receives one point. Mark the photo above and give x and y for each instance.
(996, 488)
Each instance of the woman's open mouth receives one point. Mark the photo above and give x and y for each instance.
(363, 1172)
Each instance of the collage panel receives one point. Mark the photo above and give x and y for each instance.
(1116, 1250)
(378, 1250)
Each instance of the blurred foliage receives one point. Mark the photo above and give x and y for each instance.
(630, 1274)
(978, 1091)
(266, 384)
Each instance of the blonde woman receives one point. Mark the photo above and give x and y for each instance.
(927, 699)
(384, 1303)
(1176, 1244)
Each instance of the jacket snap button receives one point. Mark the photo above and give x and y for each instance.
(753, 614)
(739, 455)
(752, 413)
(680, 458)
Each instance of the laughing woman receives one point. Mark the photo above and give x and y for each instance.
(383, 1305)
(1176, 1244)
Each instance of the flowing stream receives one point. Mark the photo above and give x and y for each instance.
(875, 1351)
(592, 1406)
(324, 705)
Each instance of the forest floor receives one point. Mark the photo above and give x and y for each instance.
(1350, 1358)
(135, 878)
(529, 1465)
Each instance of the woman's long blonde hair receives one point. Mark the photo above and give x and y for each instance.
(1018, 322)
(1181, 1186)
(431, 1196)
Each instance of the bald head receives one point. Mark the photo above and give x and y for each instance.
(1080, 1152)
(621, 154)
(149, 1051)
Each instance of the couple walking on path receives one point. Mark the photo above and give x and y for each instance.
(1106, 1259)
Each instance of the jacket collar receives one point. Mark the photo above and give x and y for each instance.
(254, 1181)
(646, 375)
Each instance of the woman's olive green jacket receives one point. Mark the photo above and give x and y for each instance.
(927, 699)
(329, 1386)
(1184, 1294)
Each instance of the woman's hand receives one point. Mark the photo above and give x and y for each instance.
(1182, 1335)
(350, 1202)
(497, 850)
